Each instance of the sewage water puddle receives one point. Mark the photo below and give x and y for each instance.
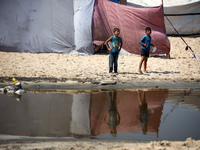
(144, 114)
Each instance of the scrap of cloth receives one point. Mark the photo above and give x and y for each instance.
(115, 1)
(132, 22)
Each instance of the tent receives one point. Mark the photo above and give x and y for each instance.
(185, 18)
(66, 26)
(56, 26)
(132, 22)
(184, 14)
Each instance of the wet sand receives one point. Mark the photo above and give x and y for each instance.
(64, 144)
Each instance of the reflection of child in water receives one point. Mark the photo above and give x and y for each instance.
(143, 114)
(112, 114)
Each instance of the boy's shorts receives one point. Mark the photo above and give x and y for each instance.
(144, 53)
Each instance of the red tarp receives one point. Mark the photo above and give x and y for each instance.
(132, 22)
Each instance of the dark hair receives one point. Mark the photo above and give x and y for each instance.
(147, 28)
(116, 29)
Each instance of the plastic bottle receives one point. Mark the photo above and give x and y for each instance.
(15, 80)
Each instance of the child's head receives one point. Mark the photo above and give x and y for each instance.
(113, 131)
(144, 129)
(116, 31)
(148, 31)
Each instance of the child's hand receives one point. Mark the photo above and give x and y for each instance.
(109, 49)
(145, 45)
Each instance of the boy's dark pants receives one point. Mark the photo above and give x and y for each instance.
(113, 57)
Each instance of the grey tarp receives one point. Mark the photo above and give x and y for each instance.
(39, 26)
(185, 17)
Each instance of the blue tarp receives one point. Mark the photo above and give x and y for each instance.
(115, 1)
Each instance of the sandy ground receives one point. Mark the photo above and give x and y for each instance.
(180, 67)
(189, 144)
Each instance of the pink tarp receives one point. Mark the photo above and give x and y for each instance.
(132, 22)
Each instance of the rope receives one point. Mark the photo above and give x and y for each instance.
(181, 37)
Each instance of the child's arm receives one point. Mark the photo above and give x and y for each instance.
(152, 45)
(143, 44)
(108, 47)
(118, 116)
(141, 41)
(120, 46)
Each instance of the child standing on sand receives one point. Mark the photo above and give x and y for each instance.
(145, 44)
(116, 44)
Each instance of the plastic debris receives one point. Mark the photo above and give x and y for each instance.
(14, 90)
(20, 92)
(15, 80)
(153, 49)
(195, 56)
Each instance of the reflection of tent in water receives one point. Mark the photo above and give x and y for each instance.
(128, 108)
(36, 114)
(45, 114)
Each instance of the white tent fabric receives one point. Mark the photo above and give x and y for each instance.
(42, 26)
(159, 2)
(185, 17)
(83, 26)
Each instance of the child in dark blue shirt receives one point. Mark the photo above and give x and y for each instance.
(145, 44)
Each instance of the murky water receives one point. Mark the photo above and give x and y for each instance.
(147, 114)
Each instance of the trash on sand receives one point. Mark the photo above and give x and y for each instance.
(195, 56)
(15, 80)
(13, 90)
(20, 92)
